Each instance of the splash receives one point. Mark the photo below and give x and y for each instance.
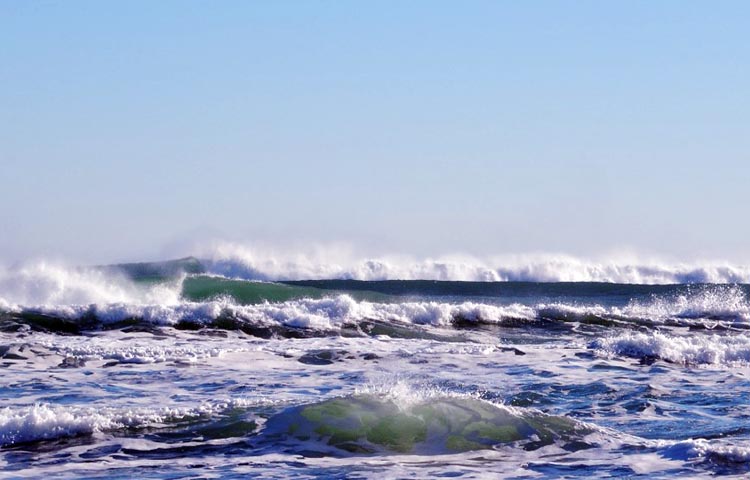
(44, 283)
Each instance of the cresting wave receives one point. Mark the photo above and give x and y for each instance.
(178, 294)
(373, 421)
(44, 283)
(709, 450)
(317, 315)
(686, 350)
(47, 422)
(257, 263)
(402, 419)
(332, 314)
(75, 299)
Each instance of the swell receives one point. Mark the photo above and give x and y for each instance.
(365, 423)
(441, 424)
(74, 300)
(336, 313)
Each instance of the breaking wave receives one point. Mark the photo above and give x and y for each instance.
(708, 450)
(687, 350)
(44, 283)
(165, 294)
(47, 422)
(256, 263)
(317, 315)
(331, 314)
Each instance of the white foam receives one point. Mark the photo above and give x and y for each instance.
(44, 422)
(690, 350)
(77, 294)
(407, 392)
(326, 313)
(705, 449)
(90, 349)
(43, 283)
(263, 263)
(708, 307)
(720, 302)
(342, 310)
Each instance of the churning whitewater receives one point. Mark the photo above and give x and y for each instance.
(236, 363)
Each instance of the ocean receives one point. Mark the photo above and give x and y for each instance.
(226, 367)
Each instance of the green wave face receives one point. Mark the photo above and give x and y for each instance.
(203, 288)
(366, 424)
(146, 272)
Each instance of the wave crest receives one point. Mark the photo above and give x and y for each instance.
(708, 308)
(253, 263)
(687, 350)
(43, 283)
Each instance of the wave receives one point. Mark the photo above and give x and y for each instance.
(255, 263)
(44, 283)
(717, 302)
(342, 313)
(686, 350)
(46, 422)
(316, 316)
(393, 420)
(57, 298)
(702, 449)
(400, 420)
(367, 424)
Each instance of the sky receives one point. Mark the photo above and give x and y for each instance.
(420, 127)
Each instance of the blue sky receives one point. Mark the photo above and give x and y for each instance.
(410, 127)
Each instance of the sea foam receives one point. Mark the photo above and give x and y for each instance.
(46, 422)
(43, 283)
(325, 313)
(706, 307)
(717, 302)
(689, 350)
(711, 450)
(258, 263)
(92, 348)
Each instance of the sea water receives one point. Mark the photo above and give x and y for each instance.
(219, 368)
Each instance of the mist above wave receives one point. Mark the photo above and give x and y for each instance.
(257, 263)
